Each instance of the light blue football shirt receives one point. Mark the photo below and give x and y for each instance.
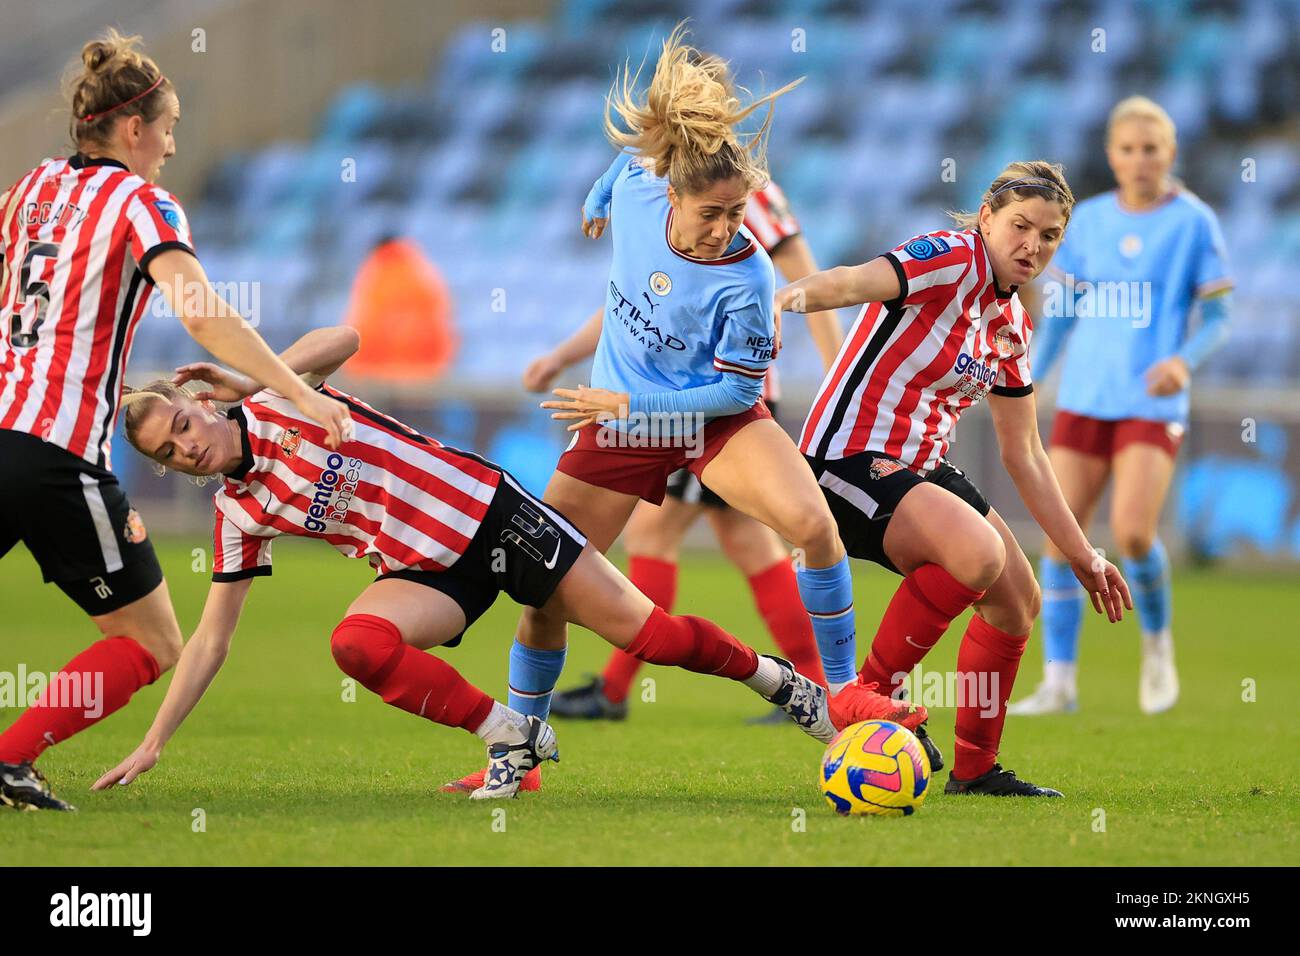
(1126, 283)
(673, 321)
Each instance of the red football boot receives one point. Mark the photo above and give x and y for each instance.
(468, 784)
(859, 701)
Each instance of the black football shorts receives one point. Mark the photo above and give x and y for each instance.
(523, 547)
(76, 521)
(864, 489)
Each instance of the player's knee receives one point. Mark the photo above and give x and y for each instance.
(650, 543)
(171, 653)
(981, 561)
(544, 639)
(1019, 615)
(1033, 602)
(360, 646)
(164, 643)
(168, 653)
(814, 531)
(545, 627)
(1134, 542)
(739, 548)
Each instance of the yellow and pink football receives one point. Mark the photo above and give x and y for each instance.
(876, 767)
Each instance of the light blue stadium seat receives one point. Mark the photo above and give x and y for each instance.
(350, 112)
(484, 181)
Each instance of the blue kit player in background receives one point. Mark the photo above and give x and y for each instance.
(1127, 279)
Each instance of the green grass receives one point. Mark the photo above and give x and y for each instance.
(288, 773)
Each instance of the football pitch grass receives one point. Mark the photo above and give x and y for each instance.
(276, 767)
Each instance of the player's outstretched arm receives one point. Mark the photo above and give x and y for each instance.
(794, 259)
(542, 371)
(221, 330)
(316, 356)
(595, 209)
(200, 660)
(321, 352)
(1015, 419)
(874, 281)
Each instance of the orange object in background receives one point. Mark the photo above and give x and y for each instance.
(401, 307)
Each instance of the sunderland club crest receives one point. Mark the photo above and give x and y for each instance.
(134, 530)
(1003, 342)
(290, 441)
(884, 467)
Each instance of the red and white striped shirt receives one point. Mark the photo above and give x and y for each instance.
(76, 237)
(392, 496)
(909, 367)
(769, 218)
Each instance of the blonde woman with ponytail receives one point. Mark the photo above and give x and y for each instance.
(1124, 399)
(82, 241)
(941, 328)
(687, 338)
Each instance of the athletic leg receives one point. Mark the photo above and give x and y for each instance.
(795, 509)
(381, 642)
(1143, 473)
(987, 662)
(601, 515)
(762, 558)
(140, 641)
(652, 538)
(949, 555)
(595, 595)
(1082, 478)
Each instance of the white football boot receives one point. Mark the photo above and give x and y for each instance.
(508, 764)
(804, 701)
(1158, 686)
(1048, 698)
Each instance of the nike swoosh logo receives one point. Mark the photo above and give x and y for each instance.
(551, 563)
(919, 647)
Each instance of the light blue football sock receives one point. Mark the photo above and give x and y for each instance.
(1062, 611)
(827, 595)
(533, 674)
(1153, 593)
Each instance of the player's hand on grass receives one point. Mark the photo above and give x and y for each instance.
(1104, 584)
(1168, 377)
(223, 384)
(141, 761)
(584, 406)
(542, 372)
(592, 228)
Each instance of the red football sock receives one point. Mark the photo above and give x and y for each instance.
(370, 649)
(98, 681)
(918, 614)
(657, 580)
(694, 644)
(993, 657)
(776, 592)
